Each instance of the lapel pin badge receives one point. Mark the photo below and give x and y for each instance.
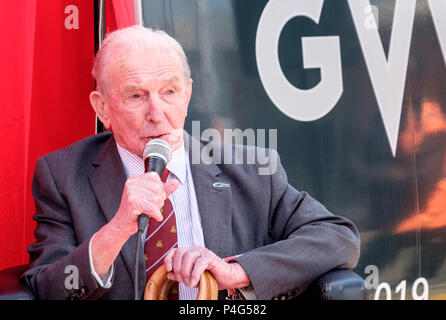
(221, 185)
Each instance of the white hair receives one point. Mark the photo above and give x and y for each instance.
(137, 37)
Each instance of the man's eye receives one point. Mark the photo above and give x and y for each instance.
(136, 96)
(170, 91)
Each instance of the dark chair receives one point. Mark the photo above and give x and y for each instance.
(339, 284)
(10, 286)
(334, 285)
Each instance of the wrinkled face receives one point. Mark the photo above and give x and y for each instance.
(148, 99)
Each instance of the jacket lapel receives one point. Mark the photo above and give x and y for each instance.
(214, 197)
(108, 179)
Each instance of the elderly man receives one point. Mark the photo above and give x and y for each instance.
(88, 197)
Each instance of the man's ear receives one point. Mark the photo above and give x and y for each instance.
(99, 105)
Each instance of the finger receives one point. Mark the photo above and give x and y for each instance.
(145, 196)
(151, 210)
(168, 260)
(156, 199)
(187, 264)
(170, 187)
(176, 264)
(139, 183)
(151, 182)
(171, 276)
(199, 267)
(152, 176)
(154, 186)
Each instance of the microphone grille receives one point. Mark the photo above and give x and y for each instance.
(157, 147)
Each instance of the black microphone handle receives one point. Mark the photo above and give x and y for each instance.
(154, 164)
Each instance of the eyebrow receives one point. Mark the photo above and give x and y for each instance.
(172, 79)
(132, 87)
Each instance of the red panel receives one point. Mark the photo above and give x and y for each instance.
(45, 83)
(16, 60)
(119, 14)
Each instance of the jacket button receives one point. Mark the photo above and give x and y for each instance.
(83, 291)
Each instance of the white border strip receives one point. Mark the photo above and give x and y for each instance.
(138, 13)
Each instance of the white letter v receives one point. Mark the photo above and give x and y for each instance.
(388, 77)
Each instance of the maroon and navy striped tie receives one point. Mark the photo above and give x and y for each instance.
(160, 238)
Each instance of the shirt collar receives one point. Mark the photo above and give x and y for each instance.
(134, 164)
(177, 165)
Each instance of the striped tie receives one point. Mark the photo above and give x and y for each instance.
(161, 237)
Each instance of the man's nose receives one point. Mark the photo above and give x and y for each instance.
(155, 111)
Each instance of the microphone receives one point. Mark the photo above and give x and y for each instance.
(156, 155)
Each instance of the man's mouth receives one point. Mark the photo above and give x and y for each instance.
(157, 137)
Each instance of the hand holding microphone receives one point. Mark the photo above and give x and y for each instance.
(144, 194)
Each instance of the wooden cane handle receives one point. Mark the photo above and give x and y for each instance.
(158, 286)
